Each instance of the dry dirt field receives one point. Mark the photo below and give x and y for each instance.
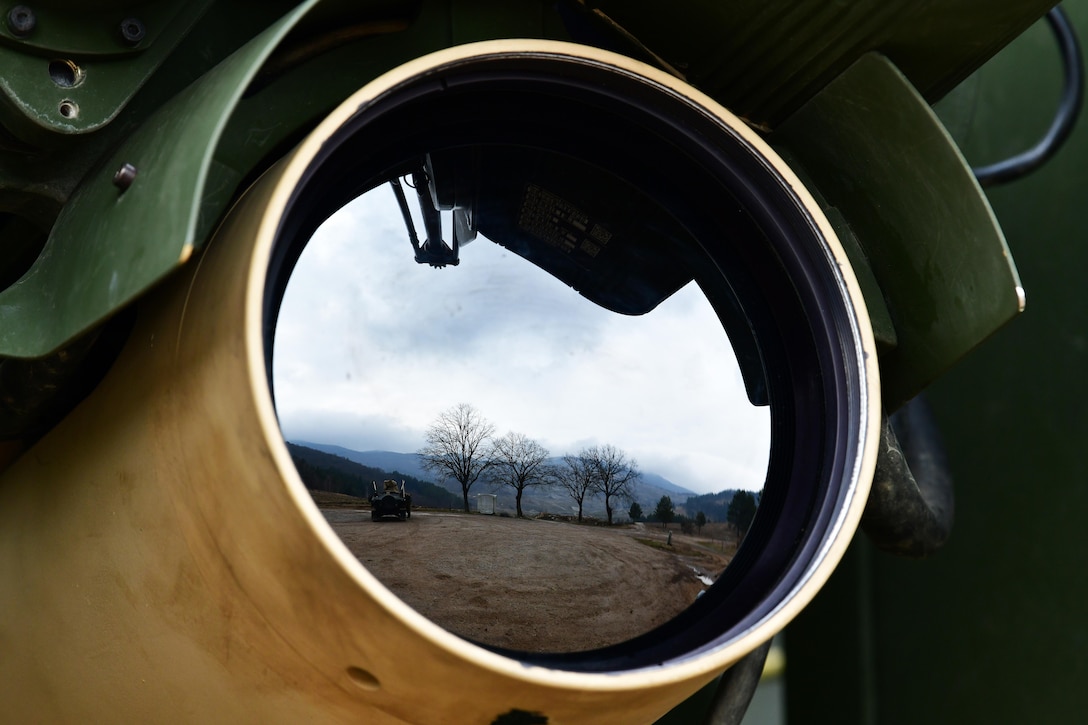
(534, 585)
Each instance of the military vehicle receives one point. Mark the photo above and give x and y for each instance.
(390, 501)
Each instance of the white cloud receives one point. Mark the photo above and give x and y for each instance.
(370, 347)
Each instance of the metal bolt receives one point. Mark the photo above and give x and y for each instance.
(124, 176)
(132, 31)
(21, 21)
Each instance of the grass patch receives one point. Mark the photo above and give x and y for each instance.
(676, 547)
(655, 544)
(327, 499)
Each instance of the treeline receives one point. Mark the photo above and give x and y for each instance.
(335, 474)
(462, 446)
(665, 514)
(714, 505)
(740, 513)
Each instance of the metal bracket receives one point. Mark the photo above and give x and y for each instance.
(74, 70)
(877, 153)
(156, 217)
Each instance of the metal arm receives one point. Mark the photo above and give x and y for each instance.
(433, 251)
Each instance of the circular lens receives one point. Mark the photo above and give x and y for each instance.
(374, 349)
(633, 197)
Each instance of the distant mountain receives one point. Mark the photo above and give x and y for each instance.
(406, 463)
(656, 481)
(537, 499)
(322, 471)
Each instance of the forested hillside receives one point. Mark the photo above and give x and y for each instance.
(714, 505)
(326, 472)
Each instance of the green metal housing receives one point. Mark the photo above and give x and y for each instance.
(945, 273)
(131, 246)
(992, 629)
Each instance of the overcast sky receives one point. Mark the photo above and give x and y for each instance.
(371, 347)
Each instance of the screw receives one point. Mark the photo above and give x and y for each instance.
(21, 21)
(124, 176)
(132, 31)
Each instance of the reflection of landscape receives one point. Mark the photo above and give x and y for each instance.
(335, 469)
(538, 583)
(598, 377)
(534, 584)
(371, 347)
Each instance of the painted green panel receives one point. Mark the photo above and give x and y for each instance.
(993, 628)
(879, 155)
(93, 28)
(97, 72)
(1005, 604)
(108, 246)
(763, 59)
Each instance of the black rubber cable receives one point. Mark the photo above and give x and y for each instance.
(1065, 118)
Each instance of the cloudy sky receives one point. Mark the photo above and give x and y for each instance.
(371, 347)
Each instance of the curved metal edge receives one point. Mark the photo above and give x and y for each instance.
(879, 155)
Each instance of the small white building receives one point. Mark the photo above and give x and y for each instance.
(485, 503)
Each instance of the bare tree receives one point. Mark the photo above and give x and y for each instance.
(457, 446)
(615, 475)
(519, 462)
(577, 475)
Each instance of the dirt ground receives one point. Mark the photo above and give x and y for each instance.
(533, 585)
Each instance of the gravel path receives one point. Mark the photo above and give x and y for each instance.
(532, 585)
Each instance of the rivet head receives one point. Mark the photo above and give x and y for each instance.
(132, 31)
(124, 176)
(21, 21)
